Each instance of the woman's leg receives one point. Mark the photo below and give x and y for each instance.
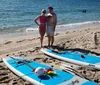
(42, 33)
(41, 40)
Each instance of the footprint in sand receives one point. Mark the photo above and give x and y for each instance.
(20, 41)
(36, 59)
(13, 82)
(8, 42)
(30, 51)
(4, 77)
(45, 60)
(31, 39)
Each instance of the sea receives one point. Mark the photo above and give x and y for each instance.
(16, 16)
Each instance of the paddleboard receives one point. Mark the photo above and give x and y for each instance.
(75, 58)
(23, 68)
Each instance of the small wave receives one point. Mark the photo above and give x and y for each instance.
(31, 29)
(87, 23)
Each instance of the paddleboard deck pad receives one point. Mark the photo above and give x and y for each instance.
(24, 71)
(74, 57)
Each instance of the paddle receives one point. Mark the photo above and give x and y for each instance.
(23, 61)
(33, 69)
(71, 70)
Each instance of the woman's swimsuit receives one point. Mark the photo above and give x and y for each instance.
(42, 27)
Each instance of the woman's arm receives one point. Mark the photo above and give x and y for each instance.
(35, 20)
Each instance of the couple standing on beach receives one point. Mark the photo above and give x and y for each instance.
(47, 23)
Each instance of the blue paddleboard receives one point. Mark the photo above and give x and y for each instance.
(24, 70)
(75, 57)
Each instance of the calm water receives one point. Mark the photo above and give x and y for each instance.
(18, 15)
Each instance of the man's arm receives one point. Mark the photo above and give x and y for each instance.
(55, 21)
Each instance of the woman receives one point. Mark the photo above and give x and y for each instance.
(41, 24)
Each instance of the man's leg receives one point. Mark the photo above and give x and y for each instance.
(52, 40)
(49, 41)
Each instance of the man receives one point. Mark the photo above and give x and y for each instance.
(51, 24)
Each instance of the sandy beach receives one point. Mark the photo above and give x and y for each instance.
(86, 39)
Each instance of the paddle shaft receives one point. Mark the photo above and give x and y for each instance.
(74, 71)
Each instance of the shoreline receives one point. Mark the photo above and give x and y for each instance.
(59, 28)
(29, 47)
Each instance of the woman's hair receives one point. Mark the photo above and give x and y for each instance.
(43, 11)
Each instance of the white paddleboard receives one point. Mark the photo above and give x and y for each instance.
(74, 57)
(23, 68)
